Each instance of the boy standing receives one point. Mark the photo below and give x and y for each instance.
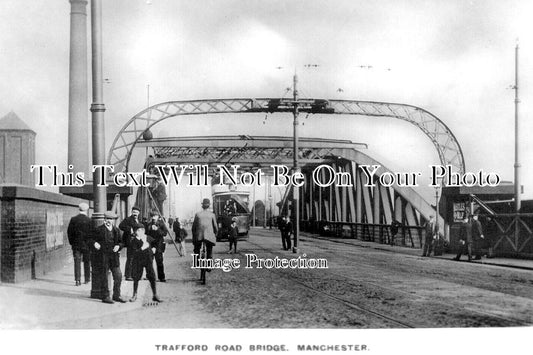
(143, 258)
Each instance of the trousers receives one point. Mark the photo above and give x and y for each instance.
(160, 266)
(465, 249)
(428, 247)
(286, 239)
(208, 248)
(79, 256)
(129, 260)
(117, 279)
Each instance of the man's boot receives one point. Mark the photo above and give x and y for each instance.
(108, 300)
(133, 297)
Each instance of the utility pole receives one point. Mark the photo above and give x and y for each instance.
(97, 111)
(437, 210)
(265, 209)
(98, 134)
(296, 168)
(253, 204)
(517, 165)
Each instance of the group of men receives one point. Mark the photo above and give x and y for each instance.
(471, 238)
(100, 248)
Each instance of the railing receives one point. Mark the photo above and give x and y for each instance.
(407, 236)
(511, 235)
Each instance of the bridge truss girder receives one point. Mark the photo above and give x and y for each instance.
(245, 151)
(356, 204)
(448, 149)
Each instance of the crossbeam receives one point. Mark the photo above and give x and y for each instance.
(247, 151)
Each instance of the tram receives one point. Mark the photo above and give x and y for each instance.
(231, 204)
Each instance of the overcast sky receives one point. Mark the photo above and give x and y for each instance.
(452, 58)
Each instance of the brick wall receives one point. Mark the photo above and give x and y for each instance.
(25, 251)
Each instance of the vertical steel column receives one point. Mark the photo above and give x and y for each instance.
(358, 197)
(97, 110)
(437, 212)
(253, 204)
(311, 185)
(296, 168)
(78, 113)
(518, 201)
(265, 210)
(320, 214)
(98, 141)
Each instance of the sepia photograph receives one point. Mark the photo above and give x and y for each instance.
(264, 176)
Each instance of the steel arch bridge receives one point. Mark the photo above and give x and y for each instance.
(441, 136)
(355, 205)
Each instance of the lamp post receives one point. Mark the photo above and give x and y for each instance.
(97, 111)
(98, 135)
(296, 168)
(437, 188)
(269, 203)
(517, 165)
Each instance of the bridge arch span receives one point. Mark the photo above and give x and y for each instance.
(444, 141)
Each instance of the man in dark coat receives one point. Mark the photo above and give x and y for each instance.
(126, 226)
(143, 247)
(430, 236)
(394, 227)
(477, 237)
(286, 233)
(491, 231)
(180, 235)
(176, 226)
(107, 243)
(465, 238)
(281, 226)
(157, 229)
(232, 236)
(79, 231)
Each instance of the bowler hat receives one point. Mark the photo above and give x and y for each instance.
(110, 215)
(206, 202)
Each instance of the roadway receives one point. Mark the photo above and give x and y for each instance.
(366, 285)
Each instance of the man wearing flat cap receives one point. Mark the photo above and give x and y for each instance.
(107, 244)
(157, 229)
(204, 229)
(80, 229)
(127, 226)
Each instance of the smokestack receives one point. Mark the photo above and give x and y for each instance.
(78, 109)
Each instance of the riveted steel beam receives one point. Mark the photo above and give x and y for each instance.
(443, 140)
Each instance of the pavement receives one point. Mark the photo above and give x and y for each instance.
(524, 264)
(53, 300)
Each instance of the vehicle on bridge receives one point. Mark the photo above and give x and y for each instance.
(230, 204)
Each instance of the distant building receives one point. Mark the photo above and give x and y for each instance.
(17, 151)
